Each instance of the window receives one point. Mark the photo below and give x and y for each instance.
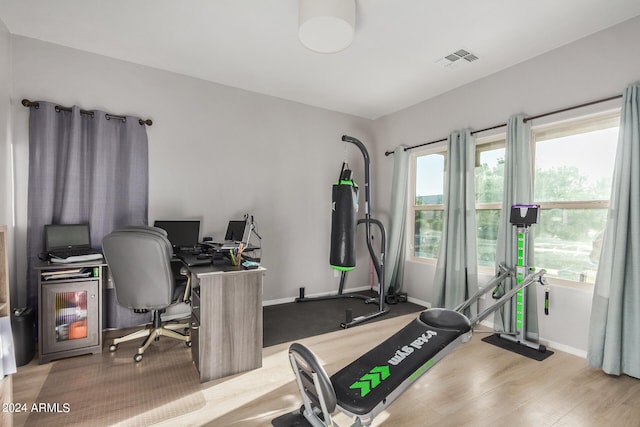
(573, 170)
(572, 183)
(489, 180)
(428, 207)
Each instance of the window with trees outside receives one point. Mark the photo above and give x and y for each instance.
(573, 170)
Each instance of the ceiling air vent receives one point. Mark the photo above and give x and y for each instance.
(457, 58)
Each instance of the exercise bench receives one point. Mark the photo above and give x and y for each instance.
(365, 387)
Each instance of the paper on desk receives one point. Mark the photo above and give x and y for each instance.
(77, 258)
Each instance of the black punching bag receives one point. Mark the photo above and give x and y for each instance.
(344, 222)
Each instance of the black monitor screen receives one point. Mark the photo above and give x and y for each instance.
(64, 236)
(181, 234)
(235, 230)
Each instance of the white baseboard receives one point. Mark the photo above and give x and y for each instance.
(489, 324)
(564, 348)
(321, 294)
(419, 302)
(550, 344)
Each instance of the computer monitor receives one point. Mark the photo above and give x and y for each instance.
(66, 236)
(236, 230)
(181, 234)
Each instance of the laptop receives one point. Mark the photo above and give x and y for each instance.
(237, 232)
(64, 241)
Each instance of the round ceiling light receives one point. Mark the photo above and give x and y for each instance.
(327, 26)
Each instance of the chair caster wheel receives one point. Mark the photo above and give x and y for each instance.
(188, 343)
(137, 357)
(113, 347)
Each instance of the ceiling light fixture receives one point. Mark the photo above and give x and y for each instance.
(326, 26)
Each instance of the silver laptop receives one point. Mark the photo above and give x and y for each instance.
(237, 232)
(68, 240)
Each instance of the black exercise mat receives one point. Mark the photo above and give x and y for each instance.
(296, 320)
(292, 419)
(523, 350)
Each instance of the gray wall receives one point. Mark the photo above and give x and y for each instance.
(6, 204)
(215, 152)
(218, 152)
(592, 68)
(5, 95)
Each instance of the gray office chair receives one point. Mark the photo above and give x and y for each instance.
(139, 260)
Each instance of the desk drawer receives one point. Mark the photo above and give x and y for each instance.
(194, 333)
(195, 304)
(194, 327)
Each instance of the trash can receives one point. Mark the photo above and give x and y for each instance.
(23, 337)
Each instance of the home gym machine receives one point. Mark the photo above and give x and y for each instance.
(522, 217)
(365, 387)
(343, 238)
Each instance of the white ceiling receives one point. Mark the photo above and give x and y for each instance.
(253, 45)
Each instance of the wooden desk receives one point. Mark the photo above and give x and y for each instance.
(226, 322)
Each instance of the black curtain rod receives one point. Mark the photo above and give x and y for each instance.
(526, 119)
(59, 108)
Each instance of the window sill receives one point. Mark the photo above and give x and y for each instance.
(553, 281)
(487, 271)
(570, 284)
(427, 261)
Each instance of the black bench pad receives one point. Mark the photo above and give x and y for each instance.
(363, 384)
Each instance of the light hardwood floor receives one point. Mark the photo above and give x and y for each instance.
(477, 385)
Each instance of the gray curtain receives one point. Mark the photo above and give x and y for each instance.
(614, 332)
(518, 189)
(83, 167)
(456, 277)
(395, 256)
